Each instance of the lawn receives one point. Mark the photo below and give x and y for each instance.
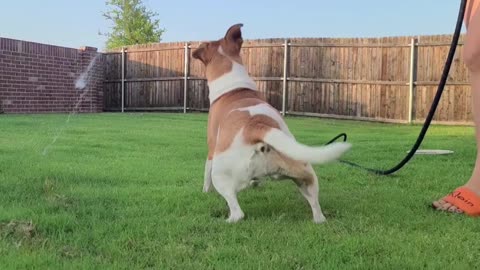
(123, 191)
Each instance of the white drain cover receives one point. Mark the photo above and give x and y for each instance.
(432, 152)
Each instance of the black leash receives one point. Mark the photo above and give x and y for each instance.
(431, 113)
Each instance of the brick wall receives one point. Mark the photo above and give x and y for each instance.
(40, 78)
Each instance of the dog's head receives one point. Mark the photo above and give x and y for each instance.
(217, 56)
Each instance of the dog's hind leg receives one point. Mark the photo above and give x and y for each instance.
(308, 186)
(207, 179)
(306, 179)
(226, 186)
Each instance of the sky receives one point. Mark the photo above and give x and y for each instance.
(75, 24)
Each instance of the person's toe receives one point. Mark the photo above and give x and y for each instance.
(437, 204)
(442, 205)
(452, 209)
(445, 206)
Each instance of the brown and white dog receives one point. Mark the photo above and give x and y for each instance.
(247, 138)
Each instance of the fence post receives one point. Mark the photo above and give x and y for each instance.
(185, 78)
(412, 78)
(285, 74)
(123, 79)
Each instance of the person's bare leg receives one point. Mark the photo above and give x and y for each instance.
(472, 60)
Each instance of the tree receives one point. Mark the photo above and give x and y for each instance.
(132, 24)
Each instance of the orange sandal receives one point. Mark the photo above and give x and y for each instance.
(466, 200)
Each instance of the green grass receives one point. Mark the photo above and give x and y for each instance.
(123, 191)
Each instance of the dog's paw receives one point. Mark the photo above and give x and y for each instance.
(234, 218)
(319, 219)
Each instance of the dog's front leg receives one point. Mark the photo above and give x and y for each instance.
(227, 187)
(207, 179)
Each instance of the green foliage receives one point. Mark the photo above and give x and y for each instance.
(132, 24)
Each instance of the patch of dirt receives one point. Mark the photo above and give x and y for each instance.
(69, 252)
(18, 229)
(22, 233)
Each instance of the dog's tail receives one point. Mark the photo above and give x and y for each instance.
(295, 150)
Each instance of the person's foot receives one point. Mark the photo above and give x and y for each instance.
(446, 203)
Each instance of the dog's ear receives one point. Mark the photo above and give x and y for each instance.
(233, 38)
(200, 52)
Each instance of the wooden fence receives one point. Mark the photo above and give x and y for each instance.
(389, 79)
